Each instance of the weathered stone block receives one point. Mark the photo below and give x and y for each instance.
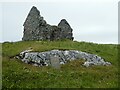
(55, 62)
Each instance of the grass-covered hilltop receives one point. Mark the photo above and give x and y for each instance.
(16, 74)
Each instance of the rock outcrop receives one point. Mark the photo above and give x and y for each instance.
(36, 28)
(44, 58)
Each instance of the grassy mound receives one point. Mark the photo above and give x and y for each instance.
(16, 74)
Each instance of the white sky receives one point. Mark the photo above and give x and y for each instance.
(92, 20)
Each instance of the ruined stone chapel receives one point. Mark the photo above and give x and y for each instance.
(36, 28)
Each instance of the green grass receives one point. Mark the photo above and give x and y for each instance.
(17, 74)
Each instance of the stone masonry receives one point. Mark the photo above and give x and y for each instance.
(36, 28)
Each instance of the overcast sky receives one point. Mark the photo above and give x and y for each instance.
(92, 20)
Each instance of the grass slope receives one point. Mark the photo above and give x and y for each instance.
(17, 74)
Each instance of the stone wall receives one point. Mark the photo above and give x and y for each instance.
(36, 28)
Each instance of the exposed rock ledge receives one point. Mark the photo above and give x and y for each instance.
(44, 58)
